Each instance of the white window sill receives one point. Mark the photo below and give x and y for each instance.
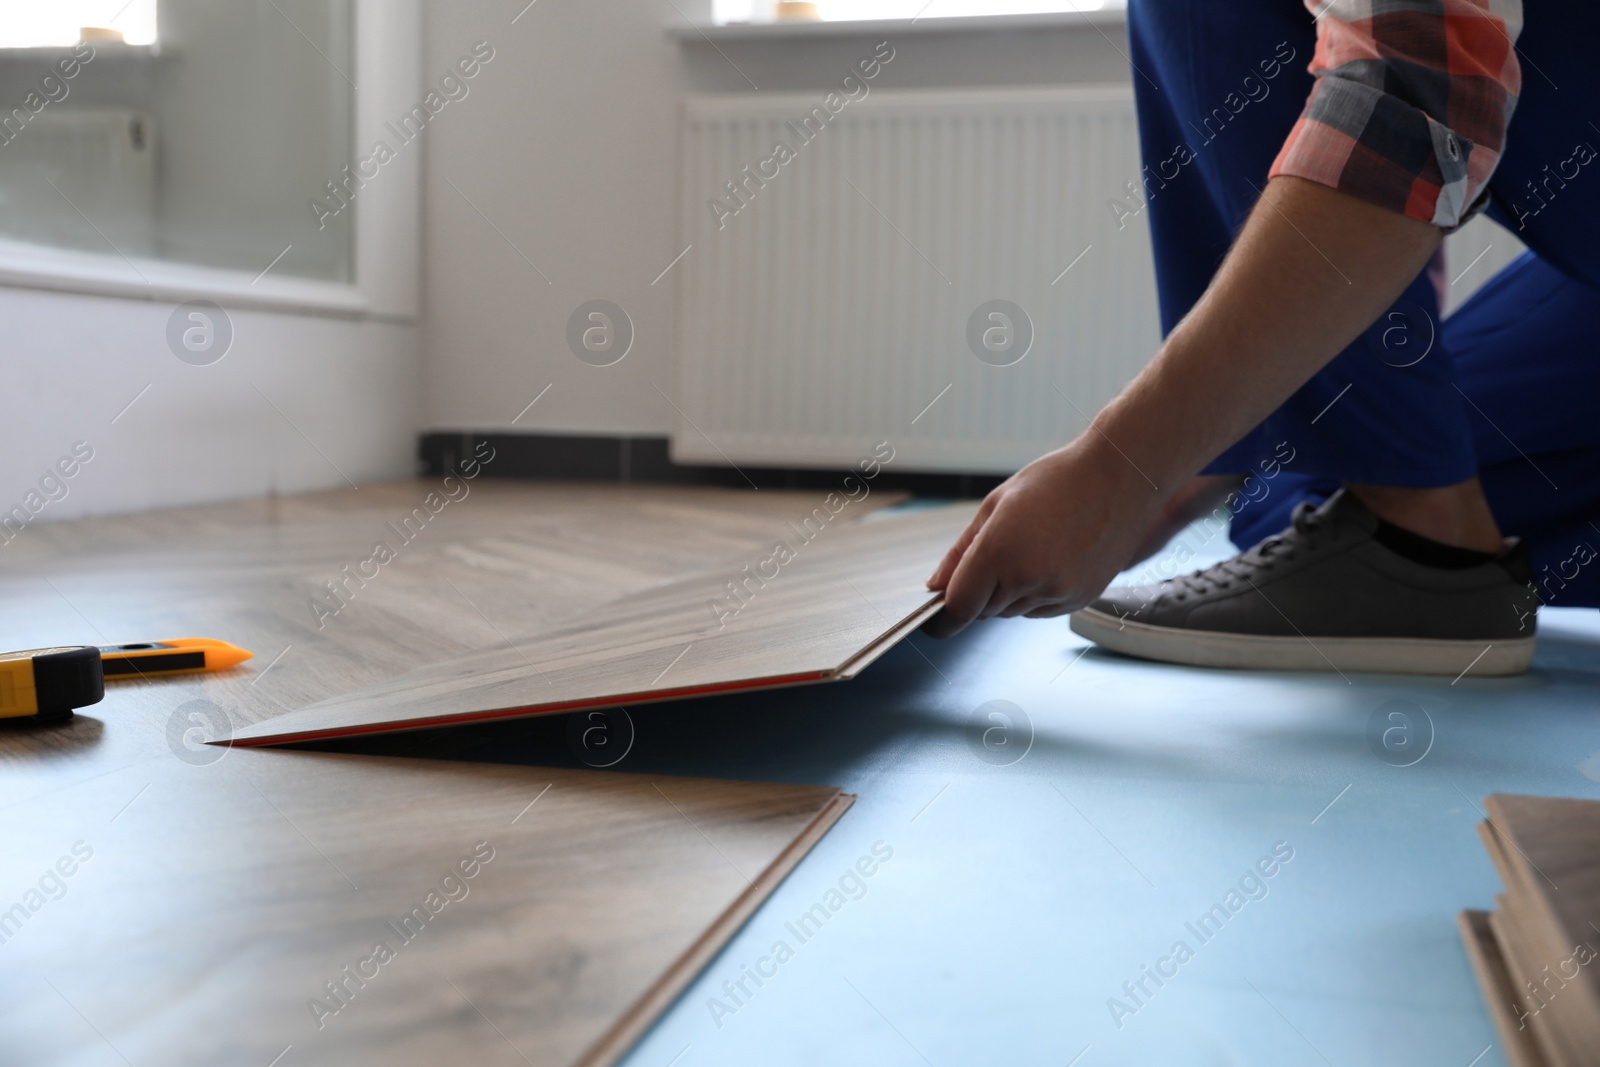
(51, 53)
(893, 28)
(30, 266)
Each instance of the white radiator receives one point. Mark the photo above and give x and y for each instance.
(833, 308)
(101, 162)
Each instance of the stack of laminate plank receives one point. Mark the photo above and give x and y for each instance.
(1538, 953)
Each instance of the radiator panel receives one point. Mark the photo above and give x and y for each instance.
(832, 309)
(79, 178)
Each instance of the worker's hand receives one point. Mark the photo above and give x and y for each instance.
(1048, 540)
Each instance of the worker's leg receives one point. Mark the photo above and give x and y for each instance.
(1524, 347)
(1530, 363)
(1218, 87)
(1383, 412)
(1386, 412)
(1525, 352)
(1336, 587)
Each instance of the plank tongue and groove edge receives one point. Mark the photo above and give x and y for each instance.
(1556, 861)
(805, 612)
(1499, 990)
(1536, 954)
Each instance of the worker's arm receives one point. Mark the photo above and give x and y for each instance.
(1311, 270)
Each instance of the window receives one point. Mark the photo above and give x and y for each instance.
(728, 11)
(214, 149)
(59, 23)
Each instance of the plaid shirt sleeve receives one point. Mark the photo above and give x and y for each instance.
(1411, 103)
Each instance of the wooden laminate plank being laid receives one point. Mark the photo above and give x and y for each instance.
(806, 613)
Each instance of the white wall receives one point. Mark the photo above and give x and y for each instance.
(199, 433)
(568, 144)
(323, 383)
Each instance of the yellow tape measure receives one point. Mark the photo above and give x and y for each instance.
(47, 683)
(180, 655)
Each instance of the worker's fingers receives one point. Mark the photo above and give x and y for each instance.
(1010, 600)
(952, 558)
(942, 625)
(1053, 610)
(969, 591)
(1024, 605)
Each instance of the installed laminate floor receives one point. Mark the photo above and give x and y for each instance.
(166, 901)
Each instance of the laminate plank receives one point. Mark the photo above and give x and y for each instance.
(1553, 880)
(1520, 957)
(1499, 991)
(821, 616)
(211, 913)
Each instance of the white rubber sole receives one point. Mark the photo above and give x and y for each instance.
(1385, 655)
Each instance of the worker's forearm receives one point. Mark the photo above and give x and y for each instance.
(1311, 270)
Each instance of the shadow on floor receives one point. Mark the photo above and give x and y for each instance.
(803, 734)
(907, 700)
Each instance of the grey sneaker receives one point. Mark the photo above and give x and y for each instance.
(1325, 595)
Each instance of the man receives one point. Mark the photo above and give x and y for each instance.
(1444, 476)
